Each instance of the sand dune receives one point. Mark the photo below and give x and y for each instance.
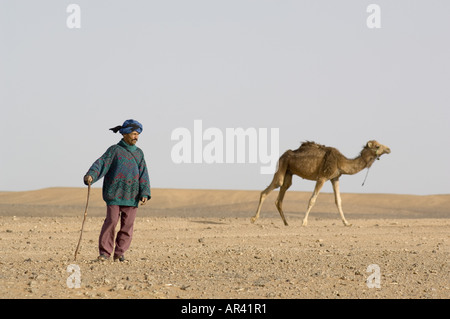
(225, 203)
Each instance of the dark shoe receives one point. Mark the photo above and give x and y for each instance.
(120, 258)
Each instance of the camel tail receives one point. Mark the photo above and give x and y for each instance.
(282, 166)
(277, 181)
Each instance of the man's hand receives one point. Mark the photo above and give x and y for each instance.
(87, 179)
(144, 200)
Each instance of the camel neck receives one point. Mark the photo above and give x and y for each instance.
(353, 166)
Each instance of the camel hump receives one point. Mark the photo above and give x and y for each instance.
(313, 146)
(309, 144)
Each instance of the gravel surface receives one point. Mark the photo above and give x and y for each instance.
(227, 258)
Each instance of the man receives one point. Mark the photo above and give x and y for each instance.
(126, 182)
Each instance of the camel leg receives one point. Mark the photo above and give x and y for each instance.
(312, 200)
(279, 202)
(337, 198)
(276, 182)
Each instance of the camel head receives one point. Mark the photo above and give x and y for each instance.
(377, 148)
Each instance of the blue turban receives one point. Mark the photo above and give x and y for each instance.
(127, 127)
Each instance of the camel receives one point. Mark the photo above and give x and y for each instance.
(319, 163)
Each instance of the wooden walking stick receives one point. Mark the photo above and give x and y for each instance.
(84, 219)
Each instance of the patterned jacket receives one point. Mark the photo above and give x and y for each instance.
(126, 176)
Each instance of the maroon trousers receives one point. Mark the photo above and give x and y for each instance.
(127, 215)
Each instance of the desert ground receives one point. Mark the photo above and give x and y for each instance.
(200, 244)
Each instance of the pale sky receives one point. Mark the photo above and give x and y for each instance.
(314, 70)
